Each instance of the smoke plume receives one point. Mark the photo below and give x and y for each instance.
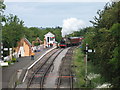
(70, 25)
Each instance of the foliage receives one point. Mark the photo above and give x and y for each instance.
(79, 68)
(107, 17)
(79, 33)
(36, 44)
(2, 6)
(14, 30)
(106, 43)
(13, 59)
(9, 62)
(104, 37)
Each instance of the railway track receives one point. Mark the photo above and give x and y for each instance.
(36, 80)
(65, 79)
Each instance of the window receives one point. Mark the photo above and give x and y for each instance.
(52, 38)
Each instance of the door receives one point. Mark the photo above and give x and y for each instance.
(48, 39)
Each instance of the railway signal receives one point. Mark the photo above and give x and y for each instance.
(89, 50)
(86, 63)
(86, 59)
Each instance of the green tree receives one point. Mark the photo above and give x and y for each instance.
(108, 16)
(12, 31)
(106, 40)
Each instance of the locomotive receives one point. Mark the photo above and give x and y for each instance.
(70, 41)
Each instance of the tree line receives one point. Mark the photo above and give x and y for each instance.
(104, 37)
(14, 30)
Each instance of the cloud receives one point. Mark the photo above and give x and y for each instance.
(57, 0)
(19, 8)
(70, 25)
(115, 0)
(52, 14)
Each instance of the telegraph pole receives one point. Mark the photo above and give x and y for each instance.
(86, 56)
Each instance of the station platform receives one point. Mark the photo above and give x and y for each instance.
(10, 73)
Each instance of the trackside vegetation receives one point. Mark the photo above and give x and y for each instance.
(104, 38)
(79, 68)
(94, 79)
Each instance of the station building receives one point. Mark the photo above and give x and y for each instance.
(49, 39)
(24, 48)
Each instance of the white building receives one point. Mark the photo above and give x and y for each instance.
(49, 39)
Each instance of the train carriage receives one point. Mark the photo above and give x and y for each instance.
(70, 41)
(75, 41)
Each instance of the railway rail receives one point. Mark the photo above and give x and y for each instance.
(65, 79)
(36, 80)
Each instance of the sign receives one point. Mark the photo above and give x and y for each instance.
(90, 50)
(6, 49)
(10, 48)
(4, 64)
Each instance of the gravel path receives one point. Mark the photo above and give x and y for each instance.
(53, 75)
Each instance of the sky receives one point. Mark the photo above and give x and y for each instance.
(57, 0)
(51, 13)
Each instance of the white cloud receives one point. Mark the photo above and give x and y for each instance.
(70, 25)
(19, 9)
(57, 0)
(115, 0)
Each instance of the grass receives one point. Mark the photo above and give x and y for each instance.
(79, 70)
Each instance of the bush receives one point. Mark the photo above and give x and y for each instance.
(9, 62)
(13, 59)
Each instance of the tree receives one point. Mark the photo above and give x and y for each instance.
(108, 16)
(12, 31)
(106, 41)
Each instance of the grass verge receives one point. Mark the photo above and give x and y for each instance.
(93, 77)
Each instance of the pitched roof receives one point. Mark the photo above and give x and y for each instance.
(21, 42)
(49, 34)
(27, 41)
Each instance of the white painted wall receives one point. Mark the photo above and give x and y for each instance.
(49, 34)
(21, 50)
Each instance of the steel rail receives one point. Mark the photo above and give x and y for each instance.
(46, 69)
(32, 77)
(70, 78)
